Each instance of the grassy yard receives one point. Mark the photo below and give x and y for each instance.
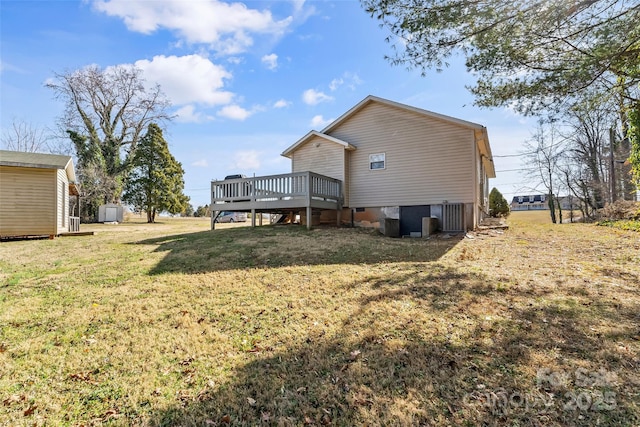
(172, 324)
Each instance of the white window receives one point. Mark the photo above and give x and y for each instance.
(376, 161)
(520, 199)
(542, 198)
(532, 198)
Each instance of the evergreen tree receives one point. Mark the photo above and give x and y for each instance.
(528, 55)
(156, 181)
(498, 205)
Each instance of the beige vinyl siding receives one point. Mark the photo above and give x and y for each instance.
(27, 201)
(427, 160)
(320, 156)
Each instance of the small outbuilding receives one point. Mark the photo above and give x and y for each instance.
(35, 189)
(110, 213)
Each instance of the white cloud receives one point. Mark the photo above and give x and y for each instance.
(226, 27)
(235, 60)
(246, 160)
(313, 97)
(351, 80)
(188, 79)
(234, 112)
(200, 163)
(281, 103)
(335, 84)
(319, 121)
(271, 61)
(188, 114)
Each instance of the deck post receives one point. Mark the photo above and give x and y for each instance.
(211, 194)
(309, 197)
(253, 217)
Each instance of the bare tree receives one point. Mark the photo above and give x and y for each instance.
(107, 110)
(588, 123)
(543, 158)
(23, 136)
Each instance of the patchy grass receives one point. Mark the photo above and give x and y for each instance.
(171, 324)
(622, 224)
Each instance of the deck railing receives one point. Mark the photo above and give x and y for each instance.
(74, 224)
(298, 185)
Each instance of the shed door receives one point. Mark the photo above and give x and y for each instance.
(111, 214)
(411, 218)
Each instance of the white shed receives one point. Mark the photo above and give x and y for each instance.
(110, 213)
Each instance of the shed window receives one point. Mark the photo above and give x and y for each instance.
(532, 198)
(376, 161)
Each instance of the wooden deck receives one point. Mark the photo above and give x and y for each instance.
(277, 193)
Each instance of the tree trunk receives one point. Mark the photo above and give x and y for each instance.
(552, 209)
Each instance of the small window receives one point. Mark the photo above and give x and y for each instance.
(532, 198)
(376, 161)
(542, 198)
(520, 199)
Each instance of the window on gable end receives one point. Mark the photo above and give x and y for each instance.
(377, 161)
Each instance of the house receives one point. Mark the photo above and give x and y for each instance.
(379, 161)
(35, 190)
(534, 202)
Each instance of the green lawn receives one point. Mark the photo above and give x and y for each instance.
(173, 324)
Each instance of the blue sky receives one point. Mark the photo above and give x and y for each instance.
(246, 80)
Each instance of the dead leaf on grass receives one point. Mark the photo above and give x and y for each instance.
(14, 398)
(30, 410)
(354, 354)
(86, 377)
(187, 361)
(252, 402)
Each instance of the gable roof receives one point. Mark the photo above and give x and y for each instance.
(312, 134)
(38, 160)
(480, 132)
(370, 99)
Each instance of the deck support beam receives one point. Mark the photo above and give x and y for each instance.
(309, 218)
(253, 218)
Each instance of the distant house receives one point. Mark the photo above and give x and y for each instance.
(380, 160)
(35, 190)
(535, 202)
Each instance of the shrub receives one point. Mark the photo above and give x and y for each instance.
(498, 206)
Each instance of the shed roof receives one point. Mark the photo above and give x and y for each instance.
(38, 160)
